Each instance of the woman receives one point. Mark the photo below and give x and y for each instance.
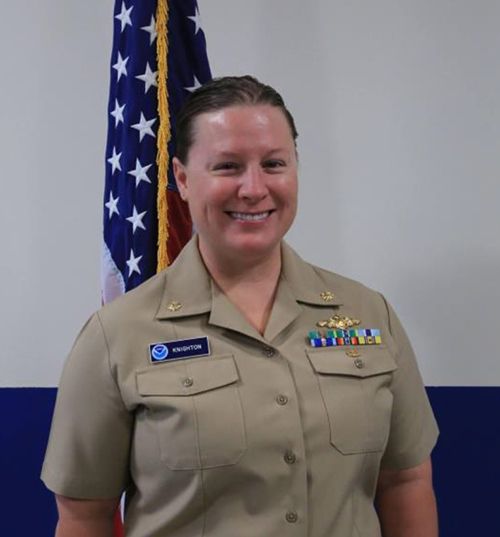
(242, 392)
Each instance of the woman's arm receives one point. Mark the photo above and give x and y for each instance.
(406, 503)
(85, 518)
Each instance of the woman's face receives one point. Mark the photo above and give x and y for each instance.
(240, 180)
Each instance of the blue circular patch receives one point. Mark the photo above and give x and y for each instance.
(159, 352)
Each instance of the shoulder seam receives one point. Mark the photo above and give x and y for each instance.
(108, 352)
(387, 310)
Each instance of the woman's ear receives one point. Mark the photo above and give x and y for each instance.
(180, 177)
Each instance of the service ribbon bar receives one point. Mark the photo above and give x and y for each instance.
(339, 338)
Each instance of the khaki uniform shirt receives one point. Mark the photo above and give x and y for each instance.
(266, 436)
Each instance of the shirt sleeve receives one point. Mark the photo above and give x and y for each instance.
(414, 431)
(88, 449)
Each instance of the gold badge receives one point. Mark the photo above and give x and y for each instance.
(327, 296)
(340, 322)
(353, 353)
(174, 306)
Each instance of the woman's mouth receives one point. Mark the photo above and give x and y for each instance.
(249, 217)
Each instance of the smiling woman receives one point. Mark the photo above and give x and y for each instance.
(211, 396)
(240, 180)
(237, 168)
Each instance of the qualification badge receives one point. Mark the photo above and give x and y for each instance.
(340, 331)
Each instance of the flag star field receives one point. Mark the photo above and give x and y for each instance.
(130, 215)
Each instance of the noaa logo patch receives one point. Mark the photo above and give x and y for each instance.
(159, 352)
(178, 349)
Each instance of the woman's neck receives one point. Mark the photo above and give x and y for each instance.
(250, 284)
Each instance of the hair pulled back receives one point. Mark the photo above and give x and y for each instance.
(221, 93)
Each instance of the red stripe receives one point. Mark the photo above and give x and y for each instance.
(118, 530)
(180, 227)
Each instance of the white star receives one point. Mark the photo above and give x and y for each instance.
(140, 172)
(196, 85)
(124, 16)
(197, 21)
(136, 220)
(144, 127)
(117, 113)
(149, 78)
(121, 66)
(112, 205)
(151, 29)
(114, 160)
(133, 263)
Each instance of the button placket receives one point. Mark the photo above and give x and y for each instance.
(287, 415)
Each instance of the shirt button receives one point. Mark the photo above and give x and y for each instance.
(268, 351)
(291, 517)
(187, 382)
(290, 457)
(359, 363)
(282, 399)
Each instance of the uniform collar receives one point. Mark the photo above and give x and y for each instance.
(305, 280)
(188, 284)
(193, 292)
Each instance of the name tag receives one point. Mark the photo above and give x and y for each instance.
(178, 349)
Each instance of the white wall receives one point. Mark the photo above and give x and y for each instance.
(54, 58)
(397, 105)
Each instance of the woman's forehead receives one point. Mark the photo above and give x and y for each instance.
(240, 121)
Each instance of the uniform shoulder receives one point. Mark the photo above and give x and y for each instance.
(344, 286)
(310, 281)
(143, 301)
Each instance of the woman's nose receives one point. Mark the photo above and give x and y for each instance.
(253, 184)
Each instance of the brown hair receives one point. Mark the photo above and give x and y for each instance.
(220, 93)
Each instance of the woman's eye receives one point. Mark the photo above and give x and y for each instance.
(223, 166)
(274, 163)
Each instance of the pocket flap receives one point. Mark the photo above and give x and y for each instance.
(371, 361)
(187, 377)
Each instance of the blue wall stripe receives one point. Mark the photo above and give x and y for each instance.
(466, 461)
(28, 509)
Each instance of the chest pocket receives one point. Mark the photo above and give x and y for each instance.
(196, 410)
(356, 395)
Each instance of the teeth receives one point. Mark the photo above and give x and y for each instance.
(250, 217)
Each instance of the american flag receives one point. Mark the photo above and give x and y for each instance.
(129, 254)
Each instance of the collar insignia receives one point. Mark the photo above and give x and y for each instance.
(174, 306)
(327, 296)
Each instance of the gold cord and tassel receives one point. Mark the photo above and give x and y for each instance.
(162, 156)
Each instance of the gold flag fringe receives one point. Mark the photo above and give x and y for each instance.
(162, 157)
